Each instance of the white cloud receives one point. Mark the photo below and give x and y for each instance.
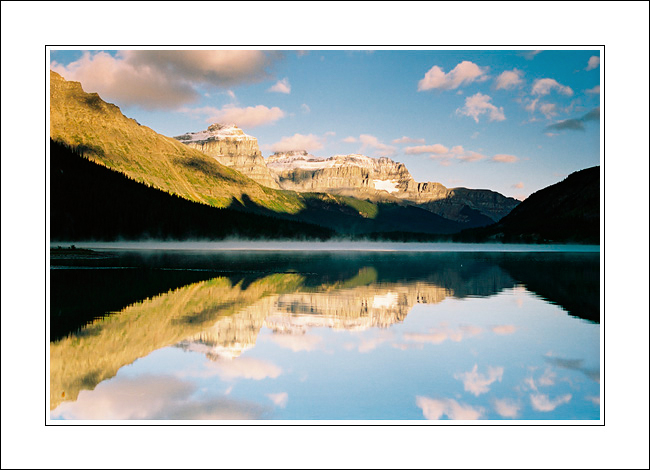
(544, 86)
(216, 67)
(408, 140)
(370, 142)
(117, 80)
(351, 140)
(507, 408)
(281, 86)
(471, 156)
(245, 118)
(152, 397)
(503, 158)
(443, 333)
(435, 409)
(164, 79)
(308, 142)
(463, 74)
(435, 148)
(476, 383)
(542, 402)
(507, 329)
(279, 399)
(241, 368)
(478, 104)
(532, 105)
(594, 61)
(296, 342)
(548, 378)
(594, 400)
(305, 109)
(531, 54)
(509, 79)
(530, 382)
(444, 156)
(594, 91)
(548, 110)
(370, 344)
(435, 337)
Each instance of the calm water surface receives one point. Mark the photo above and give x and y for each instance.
(353, 335)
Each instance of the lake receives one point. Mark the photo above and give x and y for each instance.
(324, 332)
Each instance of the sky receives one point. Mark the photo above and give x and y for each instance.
(514, 121)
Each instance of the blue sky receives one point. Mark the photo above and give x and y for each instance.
(514, 121)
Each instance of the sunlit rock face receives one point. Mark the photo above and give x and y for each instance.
(382, 179)
(231, 147)
(356, 174)
(359, 176)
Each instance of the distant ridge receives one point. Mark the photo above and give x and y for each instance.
(568, 211)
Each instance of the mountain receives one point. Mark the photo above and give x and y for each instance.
(568, 211)
(386, 180)
(105, 136)
(97, 132)
(92, 202)
(231, 147)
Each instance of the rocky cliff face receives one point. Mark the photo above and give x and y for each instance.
(300, 171)
(359, 176)
(231, 147)
(385, 179)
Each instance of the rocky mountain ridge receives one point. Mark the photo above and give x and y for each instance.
(355, 175)
(384, 179)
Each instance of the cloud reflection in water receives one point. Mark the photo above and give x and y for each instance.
(153, 397)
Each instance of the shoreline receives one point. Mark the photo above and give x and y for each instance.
(333, 246)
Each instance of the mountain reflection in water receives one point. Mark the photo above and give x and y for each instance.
(289, 296)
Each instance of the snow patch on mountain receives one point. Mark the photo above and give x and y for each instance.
(295, 159)
(386, 185)
(300, 159)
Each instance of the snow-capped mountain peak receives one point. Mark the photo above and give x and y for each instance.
(216, 131)
(295, 159)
